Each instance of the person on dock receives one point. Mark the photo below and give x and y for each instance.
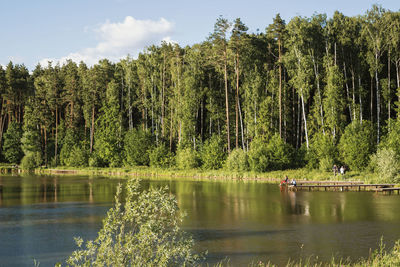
(334, 169)
(294, 183)
(285, 182)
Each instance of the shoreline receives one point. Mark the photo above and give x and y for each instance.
(301, 174)
(198, 174)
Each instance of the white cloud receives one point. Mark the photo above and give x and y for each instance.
(116, 40)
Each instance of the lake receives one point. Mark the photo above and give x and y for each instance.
(243, 221)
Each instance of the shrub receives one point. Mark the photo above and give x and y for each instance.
(31, 141)
(95, 160)
(387, 163)
(138, 145)
(357, 144)
(141, 230)
(392, 139)
(12, 149)
(322, 153)
(161, 157)
(31, 161)
(258, 155)
(70, 139)
(237, 160)
(187, 158)
(274, 155)
(280, 153)
(326, 164)
(212, 153)
(78, 157)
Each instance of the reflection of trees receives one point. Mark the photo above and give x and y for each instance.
(211, 203)
(233, 204)
(47, 189)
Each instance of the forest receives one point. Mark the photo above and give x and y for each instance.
(314, 91)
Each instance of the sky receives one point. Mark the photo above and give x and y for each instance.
(39, 31)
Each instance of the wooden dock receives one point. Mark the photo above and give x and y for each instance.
(329, 182)
(345, 187)
(388, 190)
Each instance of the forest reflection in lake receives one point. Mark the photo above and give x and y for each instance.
(244, 221)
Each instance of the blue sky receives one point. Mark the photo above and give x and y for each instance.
(42, 30)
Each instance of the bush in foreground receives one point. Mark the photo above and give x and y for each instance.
(142, 230)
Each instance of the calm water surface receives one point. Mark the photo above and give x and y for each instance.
(243, 221)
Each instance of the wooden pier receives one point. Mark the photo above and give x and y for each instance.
(349, 186)
(329, 182)
(388, 190)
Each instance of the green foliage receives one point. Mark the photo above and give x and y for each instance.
(108, 137)
(392, 139)
(333, 100)
(161, 157)
(95, 160)
(212, 153)
(31, 141)
(70, 140)
(258, 155)
(274, 155)
(12, 149)
(357, 144)
(280, 153)
(141, 230)
(78, 157)
(237, 160)
(138, 145)
(386, 164)
(317, 75)
(187, 158)
(322, 153)
(31, 160)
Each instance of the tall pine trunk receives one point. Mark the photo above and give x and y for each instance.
(389, 93)
(304, 118)
(92, 131)
(280, 87)
(56, 143)
(378, 109)
(237, 101)
(319, 94)
(227, 102)
(347, 88)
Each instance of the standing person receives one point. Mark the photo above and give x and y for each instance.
(342, 170)
(335, 169)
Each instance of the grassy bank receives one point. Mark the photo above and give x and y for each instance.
(223, 174)
(379, 258)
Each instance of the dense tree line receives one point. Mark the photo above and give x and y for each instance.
(303, 92)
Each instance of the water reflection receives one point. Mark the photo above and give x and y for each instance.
(27, 190)
(245, 221)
